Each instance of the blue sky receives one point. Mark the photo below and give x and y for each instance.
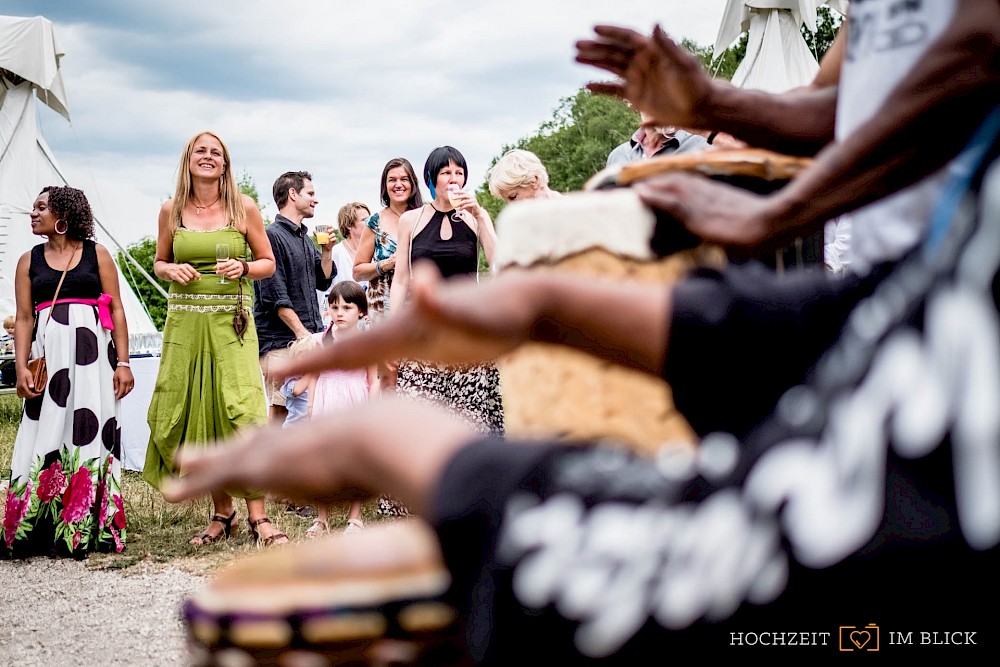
(335, 88)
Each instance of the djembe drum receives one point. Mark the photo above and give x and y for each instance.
(551, 391)
(376, 598)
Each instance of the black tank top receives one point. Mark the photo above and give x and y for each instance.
(82, 282)
(459, 255)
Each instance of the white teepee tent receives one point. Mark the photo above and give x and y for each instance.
(777, 57)
(29, 73)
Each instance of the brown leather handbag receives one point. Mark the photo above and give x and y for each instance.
(39, 371)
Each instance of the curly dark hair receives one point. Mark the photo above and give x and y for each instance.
(71, 206)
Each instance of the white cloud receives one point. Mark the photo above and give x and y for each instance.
(336, 88)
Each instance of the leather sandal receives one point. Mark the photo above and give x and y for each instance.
(318, 527)
(205, 538)
(268, 541)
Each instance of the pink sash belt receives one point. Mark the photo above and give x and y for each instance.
(102, 302)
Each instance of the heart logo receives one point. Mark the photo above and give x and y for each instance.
(860, 638)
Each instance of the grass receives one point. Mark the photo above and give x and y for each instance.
(158, 531)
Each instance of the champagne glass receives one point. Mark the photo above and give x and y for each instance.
(455, 198)
(222, 254)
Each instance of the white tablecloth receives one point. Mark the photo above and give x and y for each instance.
(135, 428)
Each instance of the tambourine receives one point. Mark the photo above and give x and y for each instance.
(607, 233)
(371, 598)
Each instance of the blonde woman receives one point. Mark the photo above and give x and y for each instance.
(209, 385)
(351, 224)
(520, 175)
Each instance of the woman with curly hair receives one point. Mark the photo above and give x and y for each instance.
(65, 493)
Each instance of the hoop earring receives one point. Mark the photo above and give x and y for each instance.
(63, 232)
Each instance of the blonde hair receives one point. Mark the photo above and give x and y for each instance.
(517, 169)
(345, 216)
(303, 345)
(8, 322)
(229, 194)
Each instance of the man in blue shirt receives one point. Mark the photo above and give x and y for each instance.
(655, 141)
(285, 305)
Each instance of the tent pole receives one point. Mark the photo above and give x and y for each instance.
(128, 255)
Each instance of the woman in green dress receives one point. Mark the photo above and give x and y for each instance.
(209, 384)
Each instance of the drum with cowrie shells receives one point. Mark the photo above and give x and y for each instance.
(607, 233)
(376, 597)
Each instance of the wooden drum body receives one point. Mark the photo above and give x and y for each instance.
(610, 235)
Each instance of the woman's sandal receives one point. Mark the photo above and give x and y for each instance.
(268, 541)
(318, 527)
(205, 538)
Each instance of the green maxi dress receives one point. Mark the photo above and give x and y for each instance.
(209, 384)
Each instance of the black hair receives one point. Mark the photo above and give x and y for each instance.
(350, 292)
(290, 180)
(71, 206)
(439, 159)
(415, 200)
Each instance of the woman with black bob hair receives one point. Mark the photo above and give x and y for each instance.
(448, 232)
(65, 479)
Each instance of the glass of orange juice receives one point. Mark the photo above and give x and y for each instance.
(322, 234)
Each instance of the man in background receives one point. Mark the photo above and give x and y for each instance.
(654, 141)
(285, 305)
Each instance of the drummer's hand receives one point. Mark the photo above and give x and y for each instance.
(716, 212)
(26, 384)
(124, 382)
(181, 273)
(657, 75)
(400, 447)
(458, 322)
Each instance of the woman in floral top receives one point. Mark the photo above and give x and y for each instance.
(375, 260)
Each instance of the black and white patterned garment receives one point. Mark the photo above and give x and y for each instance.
(65, 494)
(469, 392)
(868, 493)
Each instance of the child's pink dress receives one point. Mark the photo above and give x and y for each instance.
(339, 390)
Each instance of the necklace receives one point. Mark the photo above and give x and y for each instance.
(197, 208)
(354, 250)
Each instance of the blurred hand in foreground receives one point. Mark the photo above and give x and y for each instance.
(658, 76)
(395, 446)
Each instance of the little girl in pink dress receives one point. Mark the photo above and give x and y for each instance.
(338, 391)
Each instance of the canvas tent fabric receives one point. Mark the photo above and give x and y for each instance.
(29, 49)
(777, 58)
(30, 54)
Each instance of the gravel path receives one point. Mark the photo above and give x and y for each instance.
(58, 612)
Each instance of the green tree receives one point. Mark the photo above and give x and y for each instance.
(828, 25)
(144, 252)
(574, 144)
(247, 186)
(725, 65)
